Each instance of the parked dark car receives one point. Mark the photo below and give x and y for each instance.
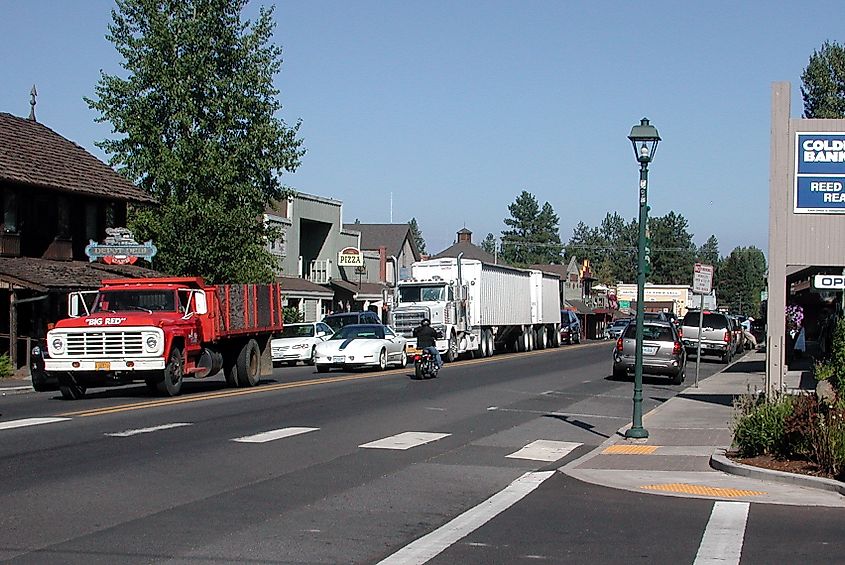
(337, 321)
(663, 353)
(570, 327)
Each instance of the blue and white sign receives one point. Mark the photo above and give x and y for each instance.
(819, 173)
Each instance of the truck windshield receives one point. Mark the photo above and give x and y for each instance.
(422, 293)
(134, 300)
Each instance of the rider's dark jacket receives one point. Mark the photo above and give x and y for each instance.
(426, 336)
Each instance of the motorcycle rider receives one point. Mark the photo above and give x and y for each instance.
(426, 337)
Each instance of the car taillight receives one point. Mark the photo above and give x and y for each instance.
(676, 350)
(619, 344)
(417, 357)
(680, 333)
(727, 336)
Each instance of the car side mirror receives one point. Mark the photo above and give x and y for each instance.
(321, 334)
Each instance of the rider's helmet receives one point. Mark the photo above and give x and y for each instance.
(425, 322)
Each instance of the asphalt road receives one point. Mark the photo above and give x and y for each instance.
(297, 471)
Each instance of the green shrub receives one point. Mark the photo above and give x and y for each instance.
(758, 425)
(6, 369)
(292, 315)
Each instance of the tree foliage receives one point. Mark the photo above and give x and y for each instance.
(823, 82)
(489, 244)
(672, 250)
(534, 236)
(741, 278)
(197, 129)
(416, 233)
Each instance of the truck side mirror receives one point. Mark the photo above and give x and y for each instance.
(74, 301)
(200, 302)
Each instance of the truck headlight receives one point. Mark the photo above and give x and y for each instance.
(58, 344)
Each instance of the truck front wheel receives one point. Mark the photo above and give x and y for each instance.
(249, 364)
(171, 384)
(452, 351)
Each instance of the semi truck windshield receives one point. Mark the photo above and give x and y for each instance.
(422, 293)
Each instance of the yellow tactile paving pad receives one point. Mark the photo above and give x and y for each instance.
(703, 490)
(621, 449)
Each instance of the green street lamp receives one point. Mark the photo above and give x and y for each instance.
(644, 138)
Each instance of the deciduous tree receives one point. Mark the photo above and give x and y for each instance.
(823, 82)
(195, 113)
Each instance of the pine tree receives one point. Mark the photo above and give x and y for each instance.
(195, 113)
(416, 233)
(823, 82)
(741, 278)
(534, 236)
(489, 244)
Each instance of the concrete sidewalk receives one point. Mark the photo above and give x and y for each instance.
(684, 434)
(15, 386)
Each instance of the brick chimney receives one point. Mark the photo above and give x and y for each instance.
(464, 235)
(382, 264)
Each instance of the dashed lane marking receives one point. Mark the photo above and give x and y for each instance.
(703, 490)
(545, 450)
(130, 433)
(272, 435)
(620, 449)
(405, 440)
(11, 424)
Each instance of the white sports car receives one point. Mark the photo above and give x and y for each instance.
(361, 345)
(297, 342)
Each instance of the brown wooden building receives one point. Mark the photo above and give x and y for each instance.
(55, 197)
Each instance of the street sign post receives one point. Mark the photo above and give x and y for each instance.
(702, 283)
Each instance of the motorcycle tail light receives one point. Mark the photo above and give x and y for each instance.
(417, 357)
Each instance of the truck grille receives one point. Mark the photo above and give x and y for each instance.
(406, 321)
(86, 344)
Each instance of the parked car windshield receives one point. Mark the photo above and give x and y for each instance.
(337, 321)
(134, 300)
(711, 320)
(360, 332)
(651, 332)
(298, 331)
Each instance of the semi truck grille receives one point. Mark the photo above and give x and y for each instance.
(86, 344)
(405, 322)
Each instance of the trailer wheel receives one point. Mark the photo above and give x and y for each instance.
(70, 389)
(171, 384)
(491, 343)
(542, 338)
(452, 350)
(249, 364)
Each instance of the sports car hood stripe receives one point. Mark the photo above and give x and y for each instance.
(345, 343)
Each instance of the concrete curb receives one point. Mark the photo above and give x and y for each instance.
(10, 390)
(721, 462)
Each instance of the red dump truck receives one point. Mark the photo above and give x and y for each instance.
(162, 330)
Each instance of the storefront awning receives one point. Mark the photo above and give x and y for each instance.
(366, 291)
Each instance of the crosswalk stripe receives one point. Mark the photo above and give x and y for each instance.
(29, 422)
(545, 450)
(271, 435)
(722, 540)
(405, 440)
(129, 433)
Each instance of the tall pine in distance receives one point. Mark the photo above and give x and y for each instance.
(416, 233)
(195, 117)
(534, 237)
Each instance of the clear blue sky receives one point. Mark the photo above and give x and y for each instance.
(456, 107)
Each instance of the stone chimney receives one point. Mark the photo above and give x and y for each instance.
(464, 235)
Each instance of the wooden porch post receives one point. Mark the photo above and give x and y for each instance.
(13, 329)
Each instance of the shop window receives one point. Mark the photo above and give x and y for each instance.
(10, 211)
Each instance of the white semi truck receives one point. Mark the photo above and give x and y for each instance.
(479, 308)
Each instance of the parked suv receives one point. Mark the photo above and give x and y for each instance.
(663, 353)
(337, 321)
(716, 334)
(570, 327)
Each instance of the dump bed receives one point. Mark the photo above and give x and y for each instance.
(241, 309)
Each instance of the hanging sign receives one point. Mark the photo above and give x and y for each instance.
(120, 248)
(350, 257)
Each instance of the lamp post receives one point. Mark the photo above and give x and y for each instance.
(644, 138)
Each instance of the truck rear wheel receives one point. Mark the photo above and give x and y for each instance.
(249, 364)
(70, 389)
(452, 350)
(174, 371)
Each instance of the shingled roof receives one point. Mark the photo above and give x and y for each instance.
(390, 236)
(45, 274)
(32, 154)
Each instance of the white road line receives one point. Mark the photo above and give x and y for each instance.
(129, 433)
(405, 440)
(274, 434)
(722, 540)
(545, 450)
(29, 422)
(432, 544)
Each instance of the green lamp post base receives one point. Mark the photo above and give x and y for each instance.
(636, 433)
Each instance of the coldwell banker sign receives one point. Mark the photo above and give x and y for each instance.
(820, 173)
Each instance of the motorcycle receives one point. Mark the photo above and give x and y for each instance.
(424, 365)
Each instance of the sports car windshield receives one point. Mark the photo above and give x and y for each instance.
(360, 332)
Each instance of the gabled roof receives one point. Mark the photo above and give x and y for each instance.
(470, 251)
(32, 154)
(296, 285)
(553, 268)
(390, 236)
